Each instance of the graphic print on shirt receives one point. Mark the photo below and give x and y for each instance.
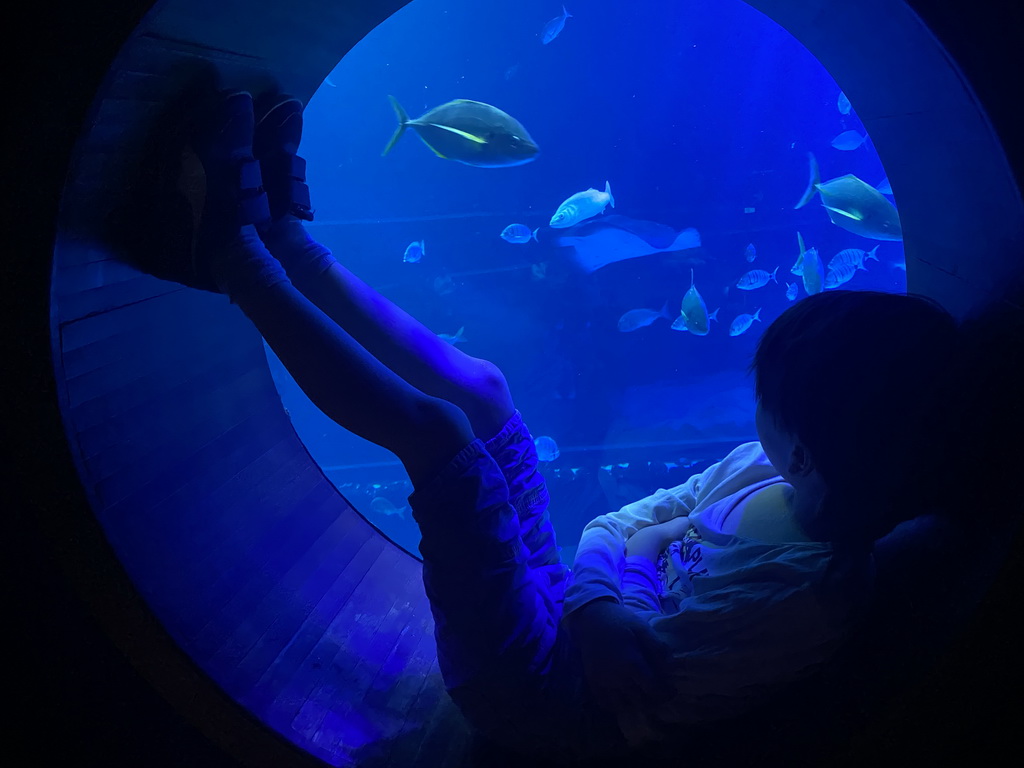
(683, 558)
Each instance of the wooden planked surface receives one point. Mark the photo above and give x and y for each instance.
(256, 566)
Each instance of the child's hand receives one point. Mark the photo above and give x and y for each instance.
(650, 541)
(625, 664)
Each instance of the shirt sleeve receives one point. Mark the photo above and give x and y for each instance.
(600, 562)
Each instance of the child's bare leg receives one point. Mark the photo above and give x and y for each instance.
(342, 378)
(390, 334)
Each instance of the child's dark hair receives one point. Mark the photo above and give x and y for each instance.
(862, 378)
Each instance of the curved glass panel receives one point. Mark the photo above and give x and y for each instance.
(701, 118)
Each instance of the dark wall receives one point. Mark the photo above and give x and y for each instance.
(73, 694)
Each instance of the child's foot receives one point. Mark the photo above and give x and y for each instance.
(275, 144)
(234, 188)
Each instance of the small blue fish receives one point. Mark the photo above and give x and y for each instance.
(750, 253)
(547, 448)
(554, 27)
(843, 104)
(883, 186)
(457, 338)
(518, 233)
(742, 322)
(848, 140)
(383, 506)
(414, 252)
(791, 291)
(756, 278)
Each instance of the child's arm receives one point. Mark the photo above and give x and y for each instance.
(601, 557)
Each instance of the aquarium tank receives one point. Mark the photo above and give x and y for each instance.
(725, 175)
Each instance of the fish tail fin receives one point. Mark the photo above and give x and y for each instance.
(773, 275)
(757, 315)
(664, 310)
(608, 191)
(871, 254)
(714, 315)
(815, 179)
(403, 121)
(566, 13)
(800, 242)
(534, 235)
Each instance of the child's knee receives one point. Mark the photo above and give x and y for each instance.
(489, 399)
(435, 432)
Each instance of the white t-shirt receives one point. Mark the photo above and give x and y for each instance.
(742, 615)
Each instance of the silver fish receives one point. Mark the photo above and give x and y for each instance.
(554, 27)
(756, 278)
(679, 324)
(518, 233)
(582, 206)
(414, 252)
(641, 318)
(791, 291)
(813, 272)
(742, 322)
(469, 132)
(848, 140)
(854, 256)
(843, 104)
(750, 253)
(453, 339)
(547, 448)
(854, 205)
(384, 506)
(695, 311)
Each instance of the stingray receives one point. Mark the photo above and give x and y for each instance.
(600, 241)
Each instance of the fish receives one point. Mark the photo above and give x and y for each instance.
(384, 506)
(798, 265)
(547, 448)
(848, 140)
(813, 272)
(853, 205)
(539, 270)
(414, 251)
(884, 187)
(854, 256)
(742, 322)
(843, 104)
(679, 324)
(694, 311)
(841, 273)
(554, 27)
(581, 206)
(469, 132)
(750, 253)
(636, 319)
(453, 339)
(756, 278)
(518, 233)
(791, 291)
(599, 242)
(444, 285)
(330, 82)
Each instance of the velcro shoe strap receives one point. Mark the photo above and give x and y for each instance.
(300, 205)
(249, 176)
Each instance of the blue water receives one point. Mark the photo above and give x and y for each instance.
(699, 114)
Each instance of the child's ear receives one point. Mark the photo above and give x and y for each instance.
(800, 463)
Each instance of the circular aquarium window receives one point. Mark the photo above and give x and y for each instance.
(725, 175)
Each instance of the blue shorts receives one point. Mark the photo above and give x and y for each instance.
(496, 586)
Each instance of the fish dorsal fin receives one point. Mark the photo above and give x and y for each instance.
(463, 134)
(691, 278)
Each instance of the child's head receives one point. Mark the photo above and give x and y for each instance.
(851, 390)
